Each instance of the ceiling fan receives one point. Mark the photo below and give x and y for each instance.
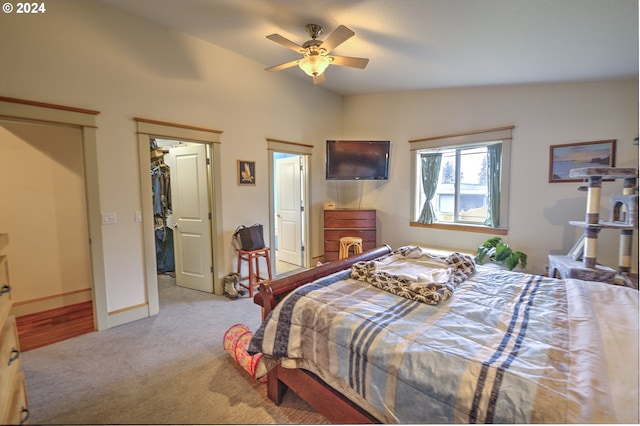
(315, 53)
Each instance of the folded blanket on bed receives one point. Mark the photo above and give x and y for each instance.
(416, 275)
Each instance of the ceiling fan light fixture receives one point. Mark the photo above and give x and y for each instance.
(314, 65)
(316, 53)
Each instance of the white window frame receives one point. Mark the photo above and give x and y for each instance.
(503, 134)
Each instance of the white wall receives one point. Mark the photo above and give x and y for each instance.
(544, 115)
(87, 55)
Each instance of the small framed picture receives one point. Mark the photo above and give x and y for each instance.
(563, 158)
(246, 173)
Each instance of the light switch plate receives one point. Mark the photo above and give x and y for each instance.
(109, 218)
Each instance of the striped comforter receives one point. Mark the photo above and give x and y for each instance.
(505, 348)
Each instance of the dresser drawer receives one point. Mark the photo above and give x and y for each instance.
(350, 219)
(9, 344)
(17, 411)
(9, 362)
(5, 289)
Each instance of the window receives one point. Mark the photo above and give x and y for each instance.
(462, 179)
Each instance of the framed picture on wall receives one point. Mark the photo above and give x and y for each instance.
(563, 158)
(246, 173)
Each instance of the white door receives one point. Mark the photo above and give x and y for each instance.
(190, 207)
(289, 210)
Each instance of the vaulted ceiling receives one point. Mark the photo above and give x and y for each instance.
(422, 44)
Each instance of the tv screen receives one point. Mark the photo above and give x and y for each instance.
(357, 159)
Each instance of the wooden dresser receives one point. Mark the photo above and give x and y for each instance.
(13, 396)
(348, 223)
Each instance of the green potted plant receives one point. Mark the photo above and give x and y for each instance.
(496, 251)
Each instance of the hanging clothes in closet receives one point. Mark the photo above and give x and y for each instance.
(161, 191)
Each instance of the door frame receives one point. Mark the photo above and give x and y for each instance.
(146, 130)
(277, 145)
(85, 120)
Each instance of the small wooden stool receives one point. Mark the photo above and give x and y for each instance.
(253, 258)
(346, 243)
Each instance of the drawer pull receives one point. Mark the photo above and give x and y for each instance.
(25, 415)
(15, 354)
(5, 289)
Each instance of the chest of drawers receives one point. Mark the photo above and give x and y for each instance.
(13, 396)
(348, 223)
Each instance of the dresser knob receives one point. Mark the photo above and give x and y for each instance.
(5, 289)
(15, 354)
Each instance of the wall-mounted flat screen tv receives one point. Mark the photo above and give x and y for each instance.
(356, 159)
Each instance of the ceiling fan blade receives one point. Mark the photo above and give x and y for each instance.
(286, 43)
(318, 79)
(336, 38)
(347, 61)
(283, 66)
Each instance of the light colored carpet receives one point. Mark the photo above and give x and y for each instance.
(167, 369)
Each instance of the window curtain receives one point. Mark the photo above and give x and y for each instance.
(494, 154)
(430, 172)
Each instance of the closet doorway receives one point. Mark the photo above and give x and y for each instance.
(202, 250)
(181, 211)
(289, 216)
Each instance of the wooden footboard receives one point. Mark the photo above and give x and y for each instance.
(330, 403)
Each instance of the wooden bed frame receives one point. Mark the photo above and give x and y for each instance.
(329, 402)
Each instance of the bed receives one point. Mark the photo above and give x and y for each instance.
(485, 346)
